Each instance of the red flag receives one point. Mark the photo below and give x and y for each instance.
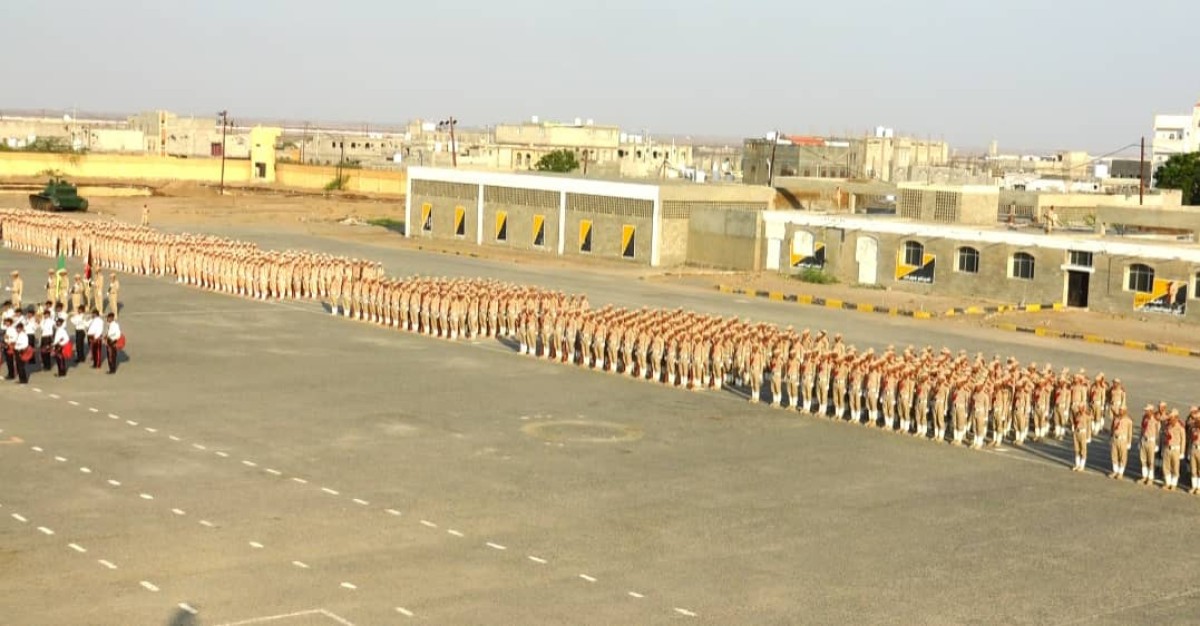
(87, 268)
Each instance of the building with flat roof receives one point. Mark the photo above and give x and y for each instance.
(1175, 134)
(646, 223)
(1084, 270)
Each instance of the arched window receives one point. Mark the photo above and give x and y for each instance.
(968, 260)
(1141, 278)
(914, 254)
(1022, 266)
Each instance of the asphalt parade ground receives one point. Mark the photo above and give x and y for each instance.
(257, 462)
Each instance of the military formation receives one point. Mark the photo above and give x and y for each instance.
(939, 395)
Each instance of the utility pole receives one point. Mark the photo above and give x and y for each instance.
(450, 123)
(1142, 174)
(303, 140)
(341, 160)
(224, 125)
(771, 163)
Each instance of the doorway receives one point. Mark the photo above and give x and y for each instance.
(1077, 288)
(866, 252)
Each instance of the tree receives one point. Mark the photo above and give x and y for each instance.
(1182, 172)
(558, 161)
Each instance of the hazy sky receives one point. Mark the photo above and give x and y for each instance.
(1043, 74)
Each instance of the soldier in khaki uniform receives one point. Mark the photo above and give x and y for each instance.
(1081, 425)
(114, 294)
(1151, 426)
(1122, 438)
(1193, 426)
(18, 289)
(1174, 438)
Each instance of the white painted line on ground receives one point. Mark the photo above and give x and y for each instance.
(186, 607)
(634, 594)
(114, 483)
(19, 518)
(149, 586)
(60, 459)
(173, 438)
(72, 403)
(223, 455)
(131, 422)
(151, 430)
(256, 545)
(403, 611)
(349, 586)
(37, 449)
(393, 512)
(76, 547)
(684, 612)
(93, 409)
(108, 564)
(361, 501)
(179, 511)
(537, 559)
(495, 546)
(146, 496)
(300, 564)
(332, 492)
(207, 523)
(274, 472)
(86, 470)
(249, 463)
(587, 578)
(114, 416)
(428, 523)
(37, 389)
(45, 531)
(199, 446)
(455, 533)
(55, 396)
(300, 480)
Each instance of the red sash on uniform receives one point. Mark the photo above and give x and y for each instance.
(68, 350)
(27, 354)
(120, 342)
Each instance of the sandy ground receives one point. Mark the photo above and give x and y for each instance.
(195, 206)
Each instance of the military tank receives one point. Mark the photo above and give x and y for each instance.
(59, 195)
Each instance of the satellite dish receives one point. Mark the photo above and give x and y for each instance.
(66, 118)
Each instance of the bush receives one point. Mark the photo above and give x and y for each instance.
(815, 276)
(388, 223)
(338, 183)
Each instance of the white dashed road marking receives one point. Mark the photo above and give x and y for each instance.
(173, 438)
(495, 546)
(19, 518)
(332, 492)
(256, 545)
(403, 611)
(151, 430)
(37, 449)
(249, 463)
(114, 416)
(178, 511)
(454, 532)
(114, 483)
(360, 501)
(300, 480)
(207, 523)
(223, 455)
(146, 496)
(72, 403)
(537, 560)
(93, 409)
(393, 512)
(86, 470)
(684, 612)
(149, 586)
(199, 446)
(300, 564)
(349, 586)
(428, 523)
(55, 396)
(60, 459)
(76, 547)
(37, 389)
(45, 531)
(131, 422)
(587, 578)
(186, 607)
(274, 472)
(634, 594)
(108, 564)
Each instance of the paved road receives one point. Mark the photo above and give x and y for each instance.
(255, 459)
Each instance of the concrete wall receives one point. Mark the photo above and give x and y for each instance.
(316, 177)
(123, 167)
(725, 238)
(522, 208)
(611, 219)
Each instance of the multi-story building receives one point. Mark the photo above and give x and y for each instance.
(1175, 134)
(884, 157)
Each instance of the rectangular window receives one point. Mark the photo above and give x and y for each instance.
(585, 235)
(501, 225)
(1196, 286)
(539, 230)
(1022, 266)
(968, 260)
(460, 222)
(628, 241)
(1079, 258)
